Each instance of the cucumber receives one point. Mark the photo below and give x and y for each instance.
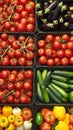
(60, 90)
(71, 86)
(60, 84)
(48, 77)
(54, 125)
(39, 93)
(52, 96)
(55, 92)
(59, 78)
(44, 74)
(43, 88)
(70, 81)
(63, 73)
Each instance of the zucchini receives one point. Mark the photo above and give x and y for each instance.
(70, 81)
(63, 73)
(43, 88)
(47, 79)
(59, 78)
(55, 92)
(39, 93)
(44, 74)
(60, 84)
(71, 86)
(60, 90)
(52, 96)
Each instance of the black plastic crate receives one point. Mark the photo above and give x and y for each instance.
(41, 36)
(45, 28)
(51, 102)
(32, 97)
(17, 36)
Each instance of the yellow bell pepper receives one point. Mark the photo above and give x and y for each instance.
(10, 127)
(7, 110)
(4, 121)
(67, 118)
(62, 126)
(59, 112)
(11, 118)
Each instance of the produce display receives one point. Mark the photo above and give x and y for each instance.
(57, 118)
(55, 50)
(17, 16)
(54, 86)
(15, 118)
(16, 86)
(16, 50)
(54, 15)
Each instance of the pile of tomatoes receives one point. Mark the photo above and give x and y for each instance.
(55, 50)
(17, 15)
(16, 86)
(16, 50)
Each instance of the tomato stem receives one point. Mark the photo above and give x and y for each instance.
(5, 51)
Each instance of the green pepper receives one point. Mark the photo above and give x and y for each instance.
(39, 118)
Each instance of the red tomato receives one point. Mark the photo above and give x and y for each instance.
(23, 2)
(4, 37)
(14, 72)
(24, 14)
(7, 25)
(13, 61)
(11, 39)
(11, 53)
(64, 61)
(45, 126)
(21, 27)
(10, 86)
(10, 99)
(70, 45)
(4, 44)
(57, 45)
(31, 20)
(57, 38)
(41, 52)
(27, 85)
(48, 52)
(22, 61)
(16, 44)
(64, 46)
(5, 74)
(16, 17)
(28, 74)
(17, 93)
(65, 37)
(49, 38)
(54, 54)
(68, 53)
(19, 8)
(19, 85)
(26, 113)
(32, 3)
(29, 56)
(5, 61)
(2, 82)
(60, 53)
(28, 7)
(47, 116)
(42, 60)
(50, 62)
(29, 93)
(20, 76)
(57, 61)
(21, 38)
(30, 46)
(12, 78)
(44, 110)
(71, 39)
(30, 27)
(41, 43)
(18, 53)
(29, 63)
(71, 60)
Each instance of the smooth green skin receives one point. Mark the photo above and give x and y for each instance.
(39, 118)
(71, 97)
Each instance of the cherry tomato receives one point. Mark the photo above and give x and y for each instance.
(50, 62)
(71, 60)
(42, 60)
(48, 52)
(30, 27)
(49, 38)
(28, 74)
(70, 45)
(64, 61)
(57, 61)
(57, 45)
(60, 53)
(65, 37)
(41, 43)
(41, 52)
(68, 53)
(44, 110)
(27, 85)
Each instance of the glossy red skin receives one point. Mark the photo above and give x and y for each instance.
(49, 38)
(64, 61)
(68, 53)
(42, 60)
(27, 85)
(50, 62)
(60, 53)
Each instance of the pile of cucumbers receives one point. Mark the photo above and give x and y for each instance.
(54, 86)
